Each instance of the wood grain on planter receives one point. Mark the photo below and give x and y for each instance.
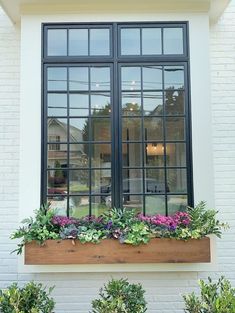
(110, 251)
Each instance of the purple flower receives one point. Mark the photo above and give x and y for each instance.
(63, 220)
(108, 225)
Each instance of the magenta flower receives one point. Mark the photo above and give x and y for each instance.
(171, 222)
(63, 220)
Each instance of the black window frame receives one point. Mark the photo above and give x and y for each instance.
(114, 60)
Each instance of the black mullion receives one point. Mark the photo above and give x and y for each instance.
(68, 147)
(44, 146)
(89, 44)
(142, 133)
(89, 127)
(67, 41)
(164, 139)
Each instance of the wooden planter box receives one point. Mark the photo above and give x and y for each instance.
(110, 251)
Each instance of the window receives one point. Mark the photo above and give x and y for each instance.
(116, 118)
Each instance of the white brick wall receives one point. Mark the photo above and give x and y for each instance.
(74, 292)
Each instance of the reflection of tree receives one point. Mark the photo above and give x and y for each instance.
(131, 109)
(174, 101)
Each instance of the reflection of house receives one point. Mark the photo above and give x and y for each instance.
(57, 151)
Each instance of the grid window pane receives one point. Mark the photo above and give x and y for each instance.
(57, 42)
(152, 77)
(101, 104)
(173, 41)
(177, 203)
(78, 129)
(130, 41)
(78, 79)
(78, 42)
(131, 129)
(176, 154)
(79, 181)
(57, 78)
(79, 206)
(100, 129)
(177, 180)
(152, 103)
(100, 78)
(173, 77)
(151, 41)
(57, 130)
(101, 155)
(155, 204)
(174, 102)
(154, 154)
(153, 128)
(59, 204)
(99, 41)
(79, 155)
(175, 128)
(79, 104)
(131, 78)
(57, 104)
(131, 103)
(155, 181)
(101, 181)
(132, 154)
(57, 155)
(100, 204)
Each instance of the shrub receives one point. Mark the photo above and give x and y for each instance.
(32, 298)
(216, 297)
(119, 296)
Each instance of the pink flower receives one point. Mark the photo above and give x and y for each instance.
(63, 220)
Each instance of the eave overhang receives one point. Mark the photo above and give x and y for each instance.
(15, 8)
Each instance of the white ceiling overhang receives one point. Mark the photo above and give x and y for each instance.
(15, 8)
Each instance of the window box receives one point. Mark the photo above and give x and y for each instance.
(109, 251)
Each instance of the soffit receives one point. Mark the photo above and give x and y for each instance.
(15, 8)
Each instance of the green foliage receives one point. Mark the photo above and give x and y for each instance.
(216, 297)
(39, 228)
(32, 298)
(127, 227)
(203, 222)
(119, 296)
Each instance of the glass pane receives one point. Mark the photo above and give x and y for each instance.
(133, 202)
(100, 104)
(174, 77)
(155, 181)
(153, 128)
(79, 104)
(101, 181)
(132, 154)
(130, 41)
(155, 205)
(174, 102)
(100, 78)
(131, 103)
(132, 181)
(151, 41)
(78, 130)
(57, 129)
(78, 42)
(57, 78)
(57, 155)
(100, 204)
(78, 206)
(152, 77)
(99, 42)
(57, 183)
(57, 42)
(131, 78)
(57, 104)
(175, 154)
(177, 180)
(177, 203)
(153, 103)
(175, 128)
(131, 129)
(101, 155)
(173, 41)
(154, 154)
(79, 181)
(59, 204)
(78, 155)
(101, 129)
(78, 78)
